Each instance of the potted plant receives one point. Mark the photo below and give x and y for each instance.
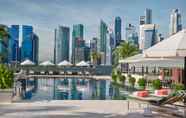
(178, 87)
(122, 79)
(142, 83)
(6, 83)
(132, 81)
(156, 84)
(114, 76)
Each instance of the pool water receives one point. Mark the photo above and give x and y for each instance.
(73, 89)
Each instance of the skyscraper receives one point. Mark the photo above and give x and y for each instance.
(78, 32)
(13, 48)
(35, 48)
(142, 20)
(93, 44)
(118, 30)
(61, 48)
(131, 34)
(102, 42)
(79, 50)
(147, 36)
(175, 21)
(148, 16)
(29, 44)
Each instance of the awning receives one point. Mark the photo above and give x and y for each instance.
(174, 46)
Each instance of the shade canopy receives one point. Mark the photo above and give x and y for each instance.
(139, 60)
(174, 46)
(64, 63)
(46, 63)
(27, 62)
(82, 63)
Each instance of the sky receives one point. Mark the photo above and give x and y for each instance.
(46, 15)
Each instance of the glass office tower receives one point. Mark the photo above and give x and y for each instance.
(61, 48)
(13, 48)
(78, 32)
(118, 30)
(30, 44)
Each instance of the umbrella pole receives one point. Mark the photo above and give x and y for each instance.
(184, 80)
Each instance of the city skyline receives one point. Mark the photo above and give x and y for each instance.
(45, 16)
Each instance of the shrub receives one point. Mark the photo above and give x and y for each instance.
(6, 77)
(156, 84)
(132, 81)
(142, 82)
(122, 79)
(177, 87)
(114, 76)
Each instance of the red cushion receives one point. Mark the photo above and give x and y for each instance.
(162, 92)
(142, 93)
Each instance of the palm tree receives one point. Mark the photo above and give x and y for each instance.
(95, 57)
(4, 36)
(123, 51)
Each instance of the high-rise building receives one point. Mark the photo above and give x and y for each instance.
(79, 50)
(4, 44)
(102, 42)
(78, 32)
(35, 48)
(142, 20)
(87, 53)
(131, 34)
(29, 44)
(118, 30)
(175, 21)
(110, 45)
(61, 48)
(147, 36)
(13, 48)
(148, 16)
(93, 44)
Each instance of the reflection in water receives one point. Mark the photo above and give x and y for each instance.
(73, 89)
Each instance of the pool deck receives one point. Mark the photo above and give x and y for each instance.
(74, 109)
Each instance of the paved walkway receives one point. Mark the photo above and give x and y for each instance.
(73, 109)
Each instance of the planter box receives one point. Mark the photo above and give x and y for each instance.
(5, 95)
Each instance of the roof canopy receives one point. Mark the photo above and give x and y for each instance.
(27, 62)
(82, 63)
(174, 46)
(64, 63)
(140, 60)
(46, 63)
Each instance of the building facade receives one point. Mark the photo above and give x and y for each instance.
(61, 44)
(118, 30)
(30, 42)
(13, 48)
(79, 50)
(148, 16)
(147, 36)
(175, 22)
(142, 20)
(102, 43)
(35, 42)
(78, 32)
(93, 44)
(131, 35)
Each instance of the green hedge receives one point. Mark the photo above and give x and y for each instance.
(156, 84)
(6, 77)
